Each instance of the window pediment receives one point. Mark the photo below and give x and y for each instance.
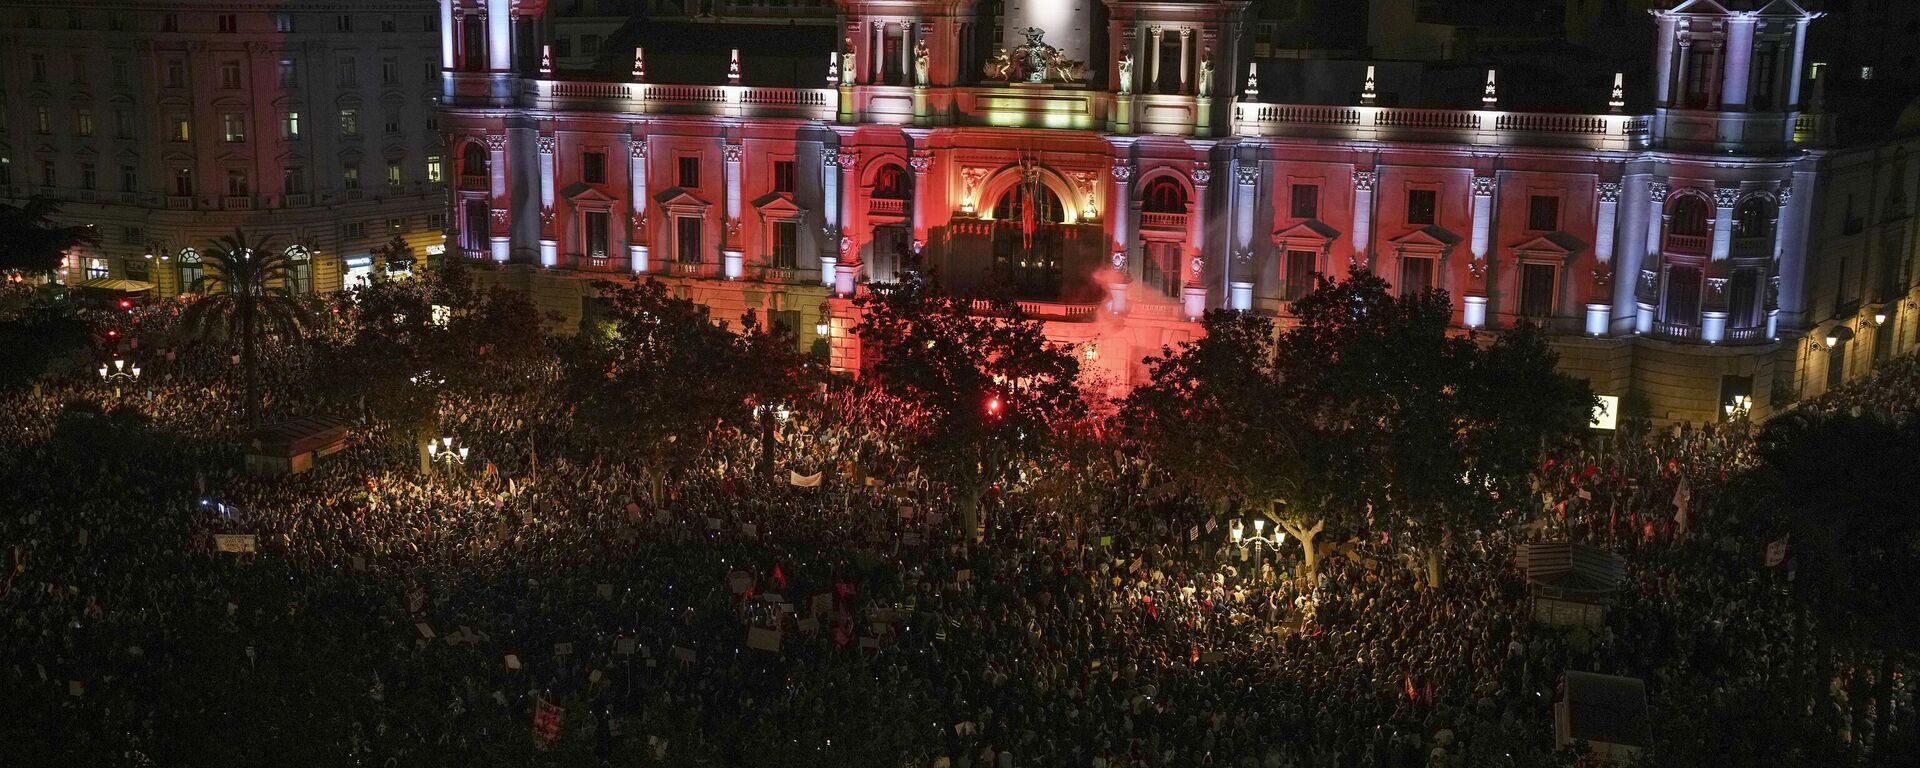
(1311, 232)
(1431, 240)
(679, 202)
(582, 192)
(777, 205)
(1554, 246)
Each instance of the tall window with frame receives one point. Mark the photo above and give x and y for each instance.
(593, 167)
(1301, 269)
(686, 239)
(1423, 206)
(1766, 76)
(1743, 298)
(1537, 288)
(299, 271)
(1682, 306)
(1700, 77)
(1543, 213)
(1416, 275)
(689, 176)
(190, 271)
(786, 239)
(783, 176)
(595, 225)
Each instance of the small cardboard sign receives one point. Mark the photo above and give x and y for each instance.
(623, 646)
(604, 591)
(425, 631)
(763, 639)
(513, 661)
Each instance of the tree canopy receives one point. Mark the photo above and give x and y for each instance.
(32, 242)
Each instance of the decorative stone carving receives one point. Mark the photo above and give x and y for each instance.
(848, 159)
(1363, 180)
(1247, 175)
(1204, 84)
(497, 142)
(1785, 193)
(1477, 269)
(1717, 286)
(1609, 191)
(548, 144)
(732, 152)
(1196, 266)
(1000, 65)
(1657, 191)
(1603, 275)
(1201, 176)
(1119, 259)
(1726, 197)
(972, 178)
(1122, 171)
(1483, 186)
(846, 247)
(499, 217)
(1126, 74)
(847, 64)
(921, 60)
(921, 161)
(637, 149)
(1649, 280)
(1082, 180)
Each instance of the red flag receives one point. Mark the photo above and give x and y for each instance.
(1411, 693)
(546, 722)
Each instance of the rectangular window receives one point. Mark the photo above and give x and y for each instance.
(229, 74)
(1421, 206)
(1536, 289)
(170, 22)
(686, 240)
(390, 71)
(343, 23)
(122, 124)
(393, 173)
(1700, 75)
(589, 45)
(1416, 275)
(1306, 201)
(83, 122)
(182, 128)
(289, 73)
(786, 238)
(690, 173)
(300, 276)
(436, 169)
(1683, 296)
(183, 182)
(354, 230)
(237, 183)
(290, 125)
(89, 178)
(138, 269)
(97, 269)
(390, 122)
(133, 236)
(387, 24)
(283, 22)
(129, 178)
(436, 222)
(229, 22)
(350, 176)
(1300, 271)
(49, 174)
(293, 181)
(1543, 213)
(1743, 299)
(593, 168)
(1766, 74)
(350, 122)
(347, 75)
(397, 225)
(80, 69)
(783, 176)
(596, 227)
(233, 126)
(37, 67)
(176, 73)
(43, 120)
(74, 20)
(121, 72)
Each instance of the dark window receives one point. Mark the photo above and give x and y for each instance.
(1300, 271)
(690, 172)
(1164, 195)
(891, 183)
(1689, 217)
(1306, 201)
(596, 226)
(473, 167)
(1536, 290)
(785, 235)
(1700, 77)
(1766, 74)
(687, 239)
(1416, 275)
(475, 231)
(1543, 213)
(1683, 296)
(229, 22)
(1421, 204)
(1743, 299)
(783, 176)
(593, 167)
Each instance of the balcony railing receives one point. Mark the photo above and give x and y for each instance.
(1465, 126)
(730, 100)
(1046, 310)
(1677, 331)
(1686, 243)
(237, 203)
(1746, 335)
(1752, 246)
(474, 181)
(693, 269)
(886, 206)
(1164, 221)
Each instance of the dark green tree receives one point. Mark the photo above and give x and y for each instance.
(990, 388)
(31, 241)
(245, 296)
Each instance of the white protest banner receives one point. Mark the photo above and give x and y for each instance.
(739, 582)
(1777, 552)
(803, 481)
(235, 542)
(623, 646)
(763, 639)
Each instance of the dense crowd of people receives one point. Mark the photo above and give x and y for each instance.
(550, 598)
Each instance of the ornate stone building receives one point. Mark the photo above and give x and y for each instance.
(166, 123)
(1112, 163)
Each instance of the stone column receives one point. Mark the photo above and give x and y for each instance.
(830, 197)
(1733, 87)
(1186, 57)
(1119, 206)
(1362, 212)
(549, 241)
(447, 35)
(501, 236)
(1793, 78)
(1239, 281)
(1600, 304)
(1663, 62)
(732, 253)
(1473, 296)
(846, 272)
(906, 52)
(1193, 292)
(1153, 40)
(1647, 285)
(637, 189)
(1483, 189)
(500, 36)
(1724, 199)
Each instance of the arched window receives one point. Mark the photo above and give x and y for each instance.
(1027, 241)
(1014, 204)
(1163, 195)
(890, 183)
(190, 271)
(1750, 219)
(1690, 215)
(473, 166)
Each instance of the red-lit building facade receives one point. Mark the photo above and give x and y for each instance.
(1112, 163)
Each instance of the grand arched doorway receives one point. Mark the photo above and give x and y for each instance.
(1029, 240)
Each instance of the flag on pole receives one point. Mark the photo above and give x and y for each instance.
(1777, 552)
(1682, 502)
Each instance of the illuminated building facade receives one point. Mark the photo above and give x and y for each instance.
(164, 124)
(1113, 165)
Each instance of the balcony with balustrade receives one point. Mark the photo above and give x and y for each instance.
(1460, 126)
(668, 99)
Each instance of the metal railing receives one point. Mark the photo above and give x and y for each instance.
(1467, 126)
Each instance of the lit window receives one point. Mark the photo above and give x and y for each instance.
(435, 174)
(83, 122)
(350, 122)
(234, 126)
(182, 128)
(393, 173)
(350, 176)
(1866, 73)
(42, 120)
(290, 125)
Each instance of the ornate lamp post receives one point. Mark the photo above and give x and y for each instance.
(119, 373)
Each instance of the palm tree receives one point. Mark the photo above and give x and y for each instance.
(245, 294)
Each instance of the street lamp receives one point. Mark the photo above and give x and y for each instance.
(445, 451)
(1238, 532)
(1738, 407)
(119, 373)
